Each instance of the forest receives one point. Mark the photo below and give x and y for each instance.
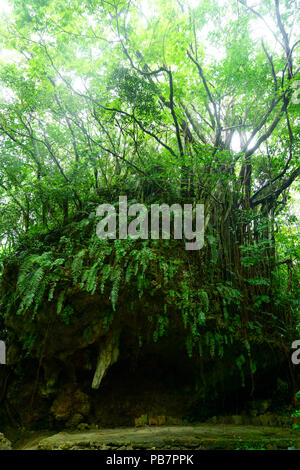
(173, 103)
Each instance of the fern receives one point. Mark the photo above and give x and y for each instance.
(77, 265)
(51, 291)
(60, 301)
(31, 280)
(115, 289)
(105, 274)
(92, 278)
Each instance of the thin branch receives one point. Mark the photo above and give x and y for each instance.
(273, 195)
(271, 64)
(242, 2)
(174, 114)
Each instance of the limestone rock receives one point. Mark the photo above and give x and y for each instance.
(75, 420)
(5, 444)
(141, 421)
(83, 427)
(109, 354)
(70, 403)
(237, 419)
(161, 420)
(153, 421)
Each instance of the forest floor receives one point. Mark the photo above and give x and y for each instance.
(200, 436)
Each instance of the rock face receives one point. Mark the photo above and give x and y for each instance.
(153, 381)
(202, 437)
(5, 444)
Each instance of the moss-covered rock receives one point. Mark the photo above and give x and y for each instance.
(5, 444)
(71, 406)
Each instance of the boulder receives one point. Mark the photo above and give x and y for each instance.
(5, 444)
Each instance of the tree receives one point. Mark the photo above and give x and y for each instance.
(172, 101)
